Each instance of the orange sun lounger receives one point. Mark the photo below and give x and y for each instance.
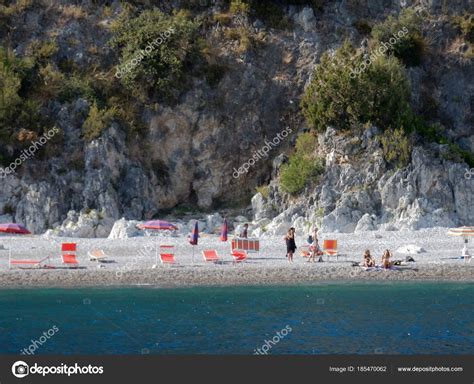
(29, 263)
(167, 254)
(210, 255)
(239, 255)
(69, 254)
(330, 249)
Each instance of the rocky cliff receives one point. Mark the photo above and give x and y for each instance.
(183, 154)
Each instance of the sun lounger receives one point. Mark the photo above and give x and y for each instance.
(167, 254)
(97, 255)
(210, 255)
(69, 254)
(330, 249)
(239, 255)
(304, 251)
(29, 263)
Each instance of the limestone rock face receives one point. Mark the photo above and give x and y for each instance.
(188, 152)
(83, 224)
(359, 192)
(305, 19)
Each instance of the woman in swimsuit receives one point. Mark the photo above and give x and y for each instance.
(368, 259)
(386, 263)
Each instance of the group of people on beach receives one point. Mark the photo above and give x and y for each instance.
(315, 250)
(369, 261)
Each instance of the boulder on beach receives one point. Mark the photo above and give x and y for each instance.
(214, 223)
(84, 224)
(124, 229)
(410, 249)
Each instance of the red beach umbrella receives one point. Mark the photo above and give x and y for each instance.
(14, 228)
(158, 225)
(224, 231)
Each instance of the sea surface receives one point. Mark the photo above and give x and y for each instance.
(338, 318)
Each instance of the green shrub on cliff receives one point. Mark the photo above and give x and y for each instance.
(402, 36)
(97, 121)
(345, 92)
(465, 24)
(13, 107)
(156, 51)
(396, 147)
(303, 166)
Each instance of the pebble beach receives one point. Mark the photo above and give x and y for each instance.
(133, 262)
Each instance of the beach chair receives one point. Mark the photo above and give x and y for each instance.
(239, 255)
(210, 255)
(330, 249)
(304, 251)
(69, 254)
(25, 263)
(167, 254)
(97, 255)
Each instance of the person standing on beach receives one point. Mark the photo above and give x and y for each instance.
(314, 247)
(244, 233)
(290, 244)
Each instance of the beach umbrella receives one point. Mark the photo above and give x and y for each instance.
(224, 231)
(464, 232)
(158, 225)
(193, 239)
(14, 228)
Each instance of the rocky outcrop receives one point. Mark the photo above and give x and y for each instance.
(187, 152)
(82, 224)
(123, 229)
(359, 192)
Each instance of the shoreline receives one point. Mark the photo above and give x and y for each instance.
(228, 276)
(131, 261)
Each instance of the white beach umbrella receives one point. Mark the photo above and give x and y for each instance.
(464, 232)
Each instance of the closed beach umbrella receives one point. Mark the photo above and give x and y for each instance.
(193, 239)
(224, 231)
(462, 232)
(14, 228)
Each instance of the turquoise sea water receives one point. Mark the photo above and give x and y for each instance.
(397, 318)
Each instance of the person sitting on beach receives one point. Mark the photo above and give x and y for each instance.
(244, 233)
(290, 244)
(368, 259)
(386, 263)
